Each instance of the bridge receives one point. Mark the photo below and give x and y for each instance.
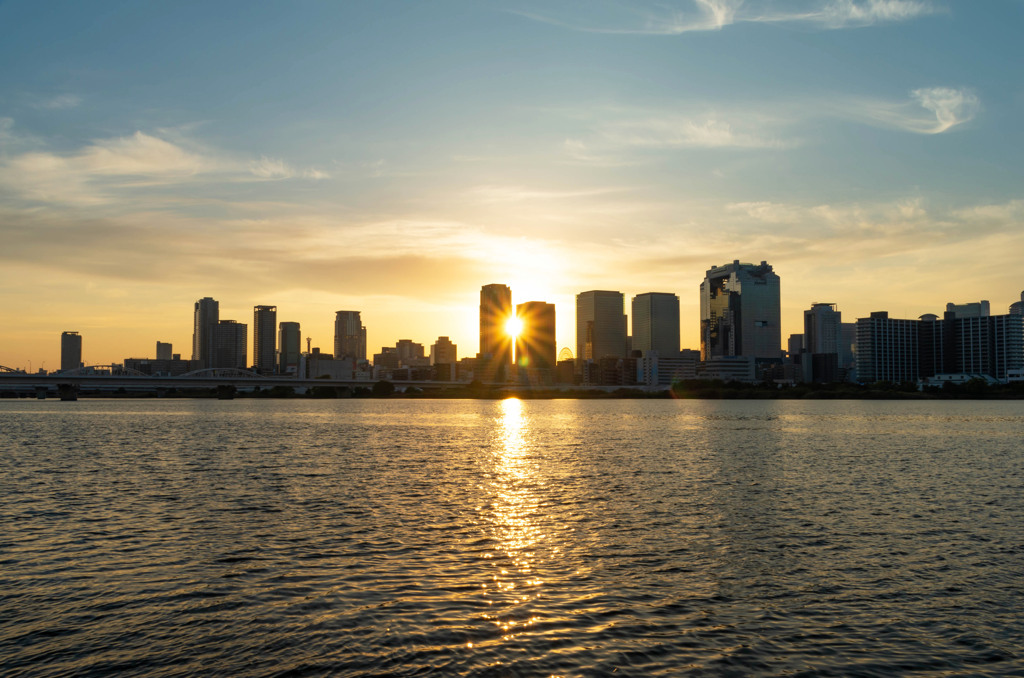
(239, 379)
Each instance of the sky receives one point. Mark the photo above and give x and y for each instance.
(393, 157)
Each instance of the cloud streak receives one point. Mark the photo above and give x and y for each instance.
(931, 110)
(690, 16)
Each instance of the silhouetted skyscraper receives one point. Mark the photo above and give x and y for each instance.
(535, 345)
(740, 312)
(600, 326)
(823, 329)
(495, 342)
(656, 323)
(164, 351)
(230, 349)
(264, 338)
(70, 351)
(207, 315)
(289, 347)
(349, 336)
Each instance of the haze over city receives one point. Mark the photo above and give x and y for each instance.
(395, 157)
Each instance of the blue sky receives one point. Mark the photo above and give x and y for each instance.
(392, 157)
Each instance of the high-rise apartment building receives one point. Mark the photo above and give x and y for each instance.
(600, 326)
(443, 352)
(1017, 307)
(289, 347)
(349, 336)
(70, 351)
(887, 349)
(740, 312)
(264, 338)
(535, 344)
(656, 323)
(963, 341)
(495, 312)
(164, 351)
(206, 317)
(230, 348)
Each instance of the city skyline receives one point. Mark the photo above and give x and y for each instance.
(629, 301)
(393, 158)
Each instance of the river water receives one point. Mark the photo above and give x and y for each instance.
(511, 538)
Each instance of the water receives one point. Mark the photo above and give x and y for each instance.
(508, 538)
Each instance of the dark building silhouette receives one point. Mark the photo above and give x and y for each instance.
(205, 319)
(164, 351)
(264, 339)
(289, 347)
(349, 336)
(70, 351)
(495, 343)
(656, 323)
(230, 349)
(535, 345)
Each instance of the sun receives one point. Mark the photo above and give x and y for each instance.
(513, 326)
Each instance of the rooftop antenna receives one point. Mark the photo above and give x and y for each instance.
(309, 340)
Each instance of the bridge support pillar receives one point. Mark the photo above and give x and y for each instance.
(67, 391)
(41, 392)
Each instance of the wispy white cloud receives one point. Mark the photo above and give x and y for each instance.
(84, 177)
(684, 131)
(686, 16)
(930, 110)
(271, 168)
(94, 173)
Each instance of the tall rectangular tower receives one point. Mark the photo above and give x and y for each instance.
(823, 329)
(495, 342)
(264, 338)
(289, 347)
(656, 323)
(70, 351)
(535, 344)
(205, 319)
(740, 312)
(349, 336)
(600, 326)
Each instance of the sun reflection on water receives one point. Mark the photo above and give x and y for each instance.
(516, 491)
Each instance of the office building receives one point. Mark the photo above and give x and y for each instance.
(70, 351)
(230, 348)
(656, 323)
(495, 341)
(822, 343)
(164, 351)
(289, 343)
(205, 319)
(535, 345)
(443, 352)
(349, 336)
(600, 326)
(264, 339)
(740, 312)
